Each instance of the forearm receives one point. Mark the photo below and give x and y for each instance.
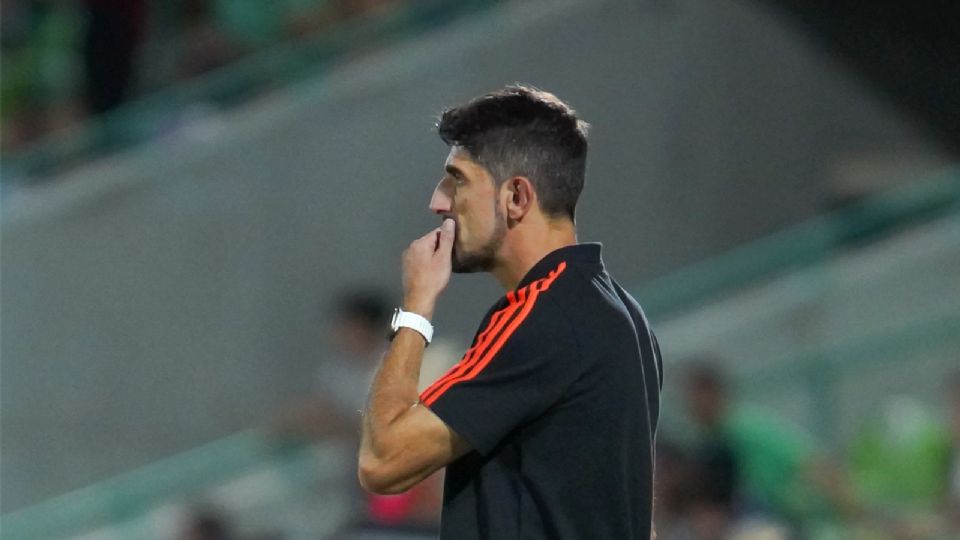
(394, 388)
(402, 443)
(393, 392)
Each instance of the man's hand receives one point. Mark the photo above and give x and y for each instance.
(426, 269)
(402, 442)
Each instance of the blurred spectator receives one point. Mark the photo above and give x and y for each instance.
(114, 33)
(205, 524)
(953, 482)
(767, 466)
(40, 69)
(203, 46)
(359, 335)
(64, 60)
(252, 27)
(674, 485)
(900, 460)
(696, 498)
(231, 28)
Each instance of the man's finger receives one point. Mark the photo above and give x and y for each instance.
(445, 242)
(427, 241)
(429, 237)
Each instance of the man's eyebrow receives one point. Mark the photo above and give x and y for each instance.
(454, 170)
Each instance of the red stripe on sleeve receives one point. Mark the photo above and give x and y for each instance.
(473, 368)
(497, 321)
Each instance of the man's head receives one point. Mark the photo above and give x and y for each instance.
(514, 153)
(361, 316)
(706, 392)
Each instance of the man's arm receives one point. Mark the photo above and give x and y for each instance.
(403, 442)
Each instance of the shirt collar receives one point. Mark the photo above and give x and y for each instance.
(580, 254)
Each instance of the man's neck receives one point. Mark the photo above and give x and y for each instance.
(525, 248)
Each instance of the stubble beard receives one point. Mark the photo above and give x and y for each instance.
(483, 258)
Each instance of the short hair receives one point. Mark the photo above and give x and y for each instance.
(522, 131)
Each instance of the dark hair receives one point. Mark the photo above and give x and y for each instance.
(208, 524)
(705, 373)
(367, 305)
(522, 131)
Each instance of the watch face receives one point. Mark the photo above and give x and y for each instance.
(393, 321)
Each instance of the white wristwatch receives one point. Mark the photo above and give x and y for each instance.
(407, 319)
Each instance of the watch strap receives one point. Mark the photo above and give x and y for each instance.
(407, 319)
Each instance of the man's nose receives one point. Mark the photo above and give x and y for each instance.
(441, 202)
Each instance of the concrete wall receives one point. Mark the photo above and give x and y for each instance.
(830, 345)
(170, 296)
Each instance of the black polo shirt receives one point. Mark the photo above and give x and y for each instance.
(558, 396)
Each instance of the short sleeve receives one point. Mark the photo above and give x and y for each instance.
(518, 367)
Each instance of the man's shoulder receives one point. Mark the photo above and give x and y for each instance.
(533, 316)
(545, 308)
(591, 293)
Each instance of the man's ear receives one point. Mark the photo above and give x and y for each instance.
(521, 197)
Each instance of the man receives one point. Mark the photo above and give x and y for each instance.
(754, 461)
(356, 335)
(952, 497)
(546, 426)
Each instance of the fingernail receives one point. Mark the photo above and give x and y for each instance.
(448, 224)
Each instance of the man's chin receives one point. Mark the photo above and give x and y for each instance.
(468, 264)
(461, 268)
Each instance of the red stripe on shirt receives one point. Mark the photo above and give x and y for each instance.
(471, 370)
(497, 321)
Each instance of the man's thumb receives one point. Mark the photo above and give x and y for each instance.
(446, 235)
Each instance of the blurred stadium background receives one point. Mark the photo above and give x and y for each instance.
(201, 199)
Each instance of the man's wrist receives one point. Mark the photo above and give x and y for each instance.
(414, 321)
(421, 307)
